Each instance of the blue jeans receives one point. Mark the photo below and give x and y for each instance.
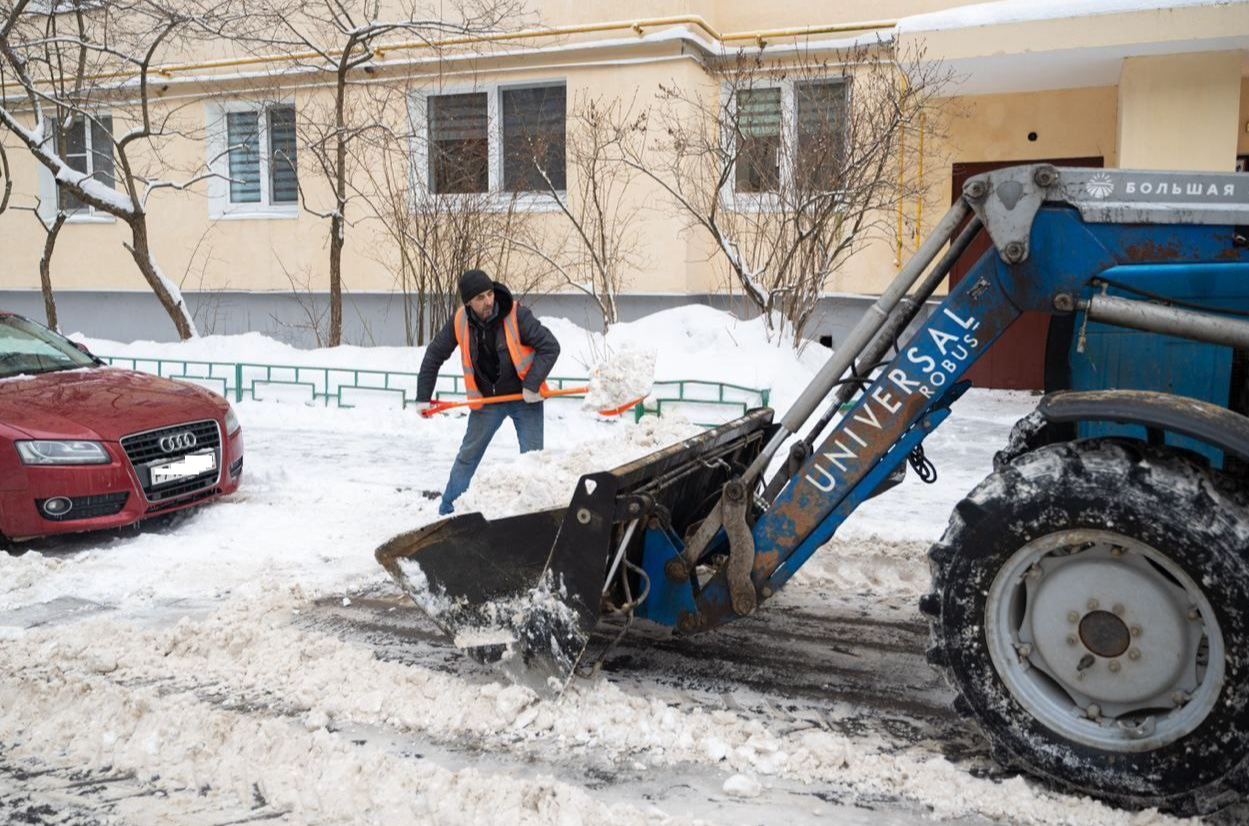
(482, 425)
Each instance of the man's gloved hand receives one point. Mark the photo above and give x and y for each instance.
(531, 396)
(422, 407)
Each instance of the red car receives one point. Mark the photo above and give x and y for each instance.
(85, 446)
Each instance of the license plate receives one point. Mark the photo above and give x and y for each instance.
(193, 464)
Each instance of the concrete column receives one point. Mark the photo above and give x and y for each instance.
(1180, 111)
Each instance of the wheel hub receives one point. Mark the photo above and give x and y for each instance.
(1104, 639)
(1104, 634)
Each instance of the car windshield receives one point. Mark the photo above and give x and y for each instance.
(27, 348)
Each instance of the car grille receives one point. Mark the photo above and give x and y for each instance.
(165, 505)
(87, 507)
(144, 451)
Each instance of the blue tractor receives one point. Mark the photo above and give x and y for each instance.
(1090, 599)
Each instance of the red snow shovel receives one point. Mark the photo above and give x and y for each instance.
(438, 407)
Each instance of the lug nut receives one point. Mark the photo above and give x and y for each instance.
(1073, 616)
(1136, 630)
(1193, 614)
(1093, 711)
(1024, 650)
(1180, 698)
(1117, 610)
(1114, 666)
(1071, 639)
(1134, 654)
(1093, 604)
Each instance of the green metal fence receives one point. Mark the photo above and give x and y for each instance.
(707, 403)
(703, 402)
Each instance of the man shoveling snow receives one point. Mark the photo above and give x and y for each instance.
(489, 326)
(504, 351)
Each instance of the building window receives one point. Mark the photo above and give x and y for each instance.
(504, 140)
(821, 111)
(758, 140)
(791, 135)
(253, 149)
(459, 143)
(533, 138)
(268, 177)
(87, 146)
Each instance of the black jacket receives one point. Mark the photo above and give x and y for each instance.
(493, 368)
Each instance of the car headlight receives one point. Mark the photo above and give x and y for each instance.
(49, 452)
(232, 421)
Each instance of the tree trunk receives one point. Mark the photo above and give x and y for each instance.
(167, 292)
(336, 281)
(45, 271)
(338, 221)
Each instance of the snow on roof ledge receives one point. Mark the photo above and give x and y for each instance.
(1025, 11)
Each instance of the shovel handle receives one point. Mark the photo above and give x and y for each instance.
(438, 407)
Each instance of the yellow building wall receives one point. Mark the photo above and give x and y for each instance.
(1180, 111)
(285, 252)
(1148, 120)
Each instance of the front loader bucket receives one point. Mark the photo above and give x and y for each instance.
(524, 590)
(527, 591)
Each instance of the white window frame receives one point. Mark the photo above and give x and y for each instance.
(218, 160)
(49, 194)
(736, 201)
(495, 197)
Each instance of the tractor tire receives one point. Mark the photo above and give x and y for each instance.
(1090, 608)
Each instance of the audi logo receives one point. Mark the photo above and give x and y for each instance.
(177, 441)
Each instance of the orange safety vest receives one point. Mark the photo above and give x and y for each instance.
(522, 356)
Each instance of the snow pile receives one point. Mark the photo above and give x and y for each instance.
(697, 342)
(870, 566)
(160, 701)
(624, 378)
(545, 479)
(18, 573)
(692, 342)
(81, 718)
(257, 348)
(739, 785)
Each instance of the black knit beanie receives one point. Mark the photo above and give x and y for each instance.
(474, 283)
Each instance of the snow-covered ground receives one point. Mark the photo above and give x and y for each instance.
(249, 661)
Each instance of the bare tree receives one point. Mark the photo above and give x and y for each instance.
(6, 180)
(597, 201)
(52, 230)
(430, 233)
(343, 37)
(66, 82)
(788, 164)
(312, 312)
(117, 44)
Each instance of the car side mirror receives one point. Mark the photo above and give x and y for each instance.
(83, 347)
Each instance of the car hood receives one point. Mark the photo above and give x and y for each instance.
(100, 403)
